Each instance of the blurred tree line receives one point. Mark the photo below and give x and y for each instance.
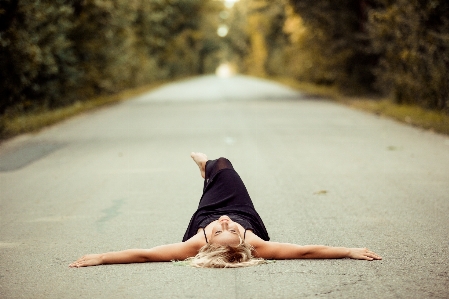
(395, 47)
(56, 52)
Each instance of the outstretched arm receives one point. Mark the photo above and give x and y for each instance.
(274, 250)
(164, 253)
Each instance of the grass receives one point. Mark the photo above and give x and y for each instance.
(31, 122)
(411, 114)
(427, 119)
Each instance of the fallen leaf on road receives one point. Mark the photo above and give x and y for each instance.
(321, 192)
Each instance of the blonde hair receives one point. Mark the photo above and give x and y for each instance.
(224, 256)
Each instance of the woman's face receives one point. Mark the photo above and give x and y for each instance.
(226, 232)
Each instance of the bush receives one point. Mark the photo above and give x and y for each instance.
(54, 53)
(334, 45)
(37, 58)
(412, 38)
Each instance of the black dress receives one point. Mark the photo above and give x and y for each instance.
(225, 194)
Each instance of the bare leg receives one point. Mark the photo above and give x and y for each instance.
(200, 159)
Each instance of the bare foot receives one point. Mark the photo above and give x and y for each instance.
(200, 159)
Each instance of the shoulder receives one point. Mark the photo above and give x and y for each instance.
(271, 250)
(255, 241)
(196, 242)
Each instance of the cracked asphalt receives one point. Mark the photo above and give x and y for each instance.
(318, 172)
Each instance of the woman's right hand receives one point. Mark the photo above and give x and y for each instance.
(87, 260)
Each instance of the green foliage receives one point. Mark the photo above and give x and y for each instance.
(173, 35)
(402, 46)
(397, 47)
(331, 44)
(276, 39)
(103, 40)
(336, 42)
(412, 38)
(56, 52)
(36, 55)
(256, 38)
(237, 41)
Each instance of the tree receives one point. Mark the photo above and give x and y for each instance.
(412, 38)
(36, 57)
(336, 42)
(53, 53)
(256, 37)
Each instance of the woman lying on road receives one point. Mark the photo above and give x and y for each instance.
(225, 231)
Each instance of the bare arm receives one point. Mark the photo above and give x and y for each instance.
(274, 250)
(164, 253)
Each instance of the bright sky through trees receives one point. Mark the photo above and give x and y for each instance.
(222, 30)
(230, 3)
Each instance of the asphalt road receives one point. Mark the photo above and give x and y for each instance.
(318, 173)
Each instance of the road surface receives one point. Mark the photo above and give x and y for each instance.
(318, 172)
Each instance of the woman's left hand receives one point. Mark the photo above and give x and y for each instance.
(87, 260)
(363, 254)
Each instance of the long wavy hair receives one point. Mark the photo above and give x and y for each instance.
(224, 256)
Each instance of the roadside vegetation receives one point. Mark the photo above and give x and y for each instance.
(412, 114)
(390, 57)
(27, 122)
(59, 57)
(62, 56)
